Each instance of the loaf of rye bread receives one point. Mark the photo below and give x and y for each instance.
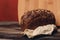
(34, 18)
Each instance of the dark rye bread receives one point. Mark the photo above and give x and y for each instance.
(34, 18)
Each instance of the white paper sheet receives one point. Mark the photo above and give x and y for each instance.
(46, 30)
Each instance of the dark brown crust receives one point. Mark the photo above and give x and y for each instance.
(35, 18)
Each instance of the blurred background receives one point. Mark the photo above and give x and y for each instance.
(8, 10)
